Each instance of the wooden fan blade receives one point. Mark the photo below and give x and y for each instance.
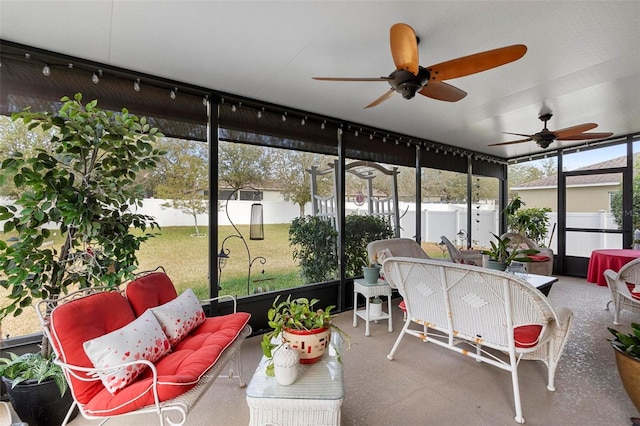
(404, 48)
(518, 134)
(381, 99)
(511, 142)
(442, 91)
(574, 130)
(476, 63)
(352, 79)
(583, 136)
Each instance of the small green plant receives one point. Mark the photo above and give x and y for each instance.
(532, 222)
(359, 231)
(297, 314)
(501, 252)
(32, 367)
(315, 242)
(627, 343)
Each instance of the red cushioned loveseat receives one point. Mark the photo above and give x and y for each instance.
(147, 365)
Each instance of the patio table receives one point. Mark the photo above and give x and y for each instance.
(613, 259)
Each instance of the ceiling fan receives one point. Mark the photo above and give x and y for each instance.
(546, 136)
(410, 78)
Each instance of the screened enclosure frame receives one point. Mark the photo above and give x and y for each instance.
(203, 114)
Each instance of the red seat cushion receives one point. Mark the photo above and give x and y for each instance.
(149, 291)
(527, 336)
(178, 371)
(538, 257)
(80, 320)
(402, 306)
(631, 287)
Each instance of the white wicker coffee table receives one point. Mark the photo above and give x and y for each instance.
(314, 398)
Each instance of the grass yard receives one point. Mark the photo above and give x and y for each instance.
(186, 257)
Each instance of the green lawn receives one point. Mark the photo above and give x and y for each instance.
(186, 259)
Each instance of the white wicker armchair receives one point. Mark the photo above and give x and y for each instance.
(544, 267)
(466, 257)
(469, 310)
(404, 247)
(622, 296)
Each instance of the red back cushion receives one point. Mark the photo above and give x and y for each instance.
(77, 321)
(538, 257)
(527, 336)
(631, 287)
(149, 291)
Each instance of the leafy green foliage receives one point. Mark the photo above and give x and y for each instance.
(315, 242)
(501, 252)
(533, 222)
(32, 367)
(359, 231)
(84, 184)
(296, 314)
(628, 343)
(616, 203)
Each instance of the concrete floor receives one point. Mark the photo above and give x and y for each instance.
(428, 385)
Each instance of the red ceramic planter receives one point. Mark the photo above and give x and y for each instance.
(310, 344)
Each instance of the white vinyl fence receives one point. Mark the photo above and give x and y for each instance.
(436, 220)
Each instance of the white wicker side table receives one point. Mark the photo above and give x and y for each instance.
(314, 398)
(381, 288)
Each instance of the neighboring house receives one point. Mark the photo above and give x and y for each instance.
(589, 193)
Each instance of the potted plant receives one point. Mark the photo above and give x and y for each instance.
(371, 270)
(375, 306)
(37, 377)
(83, 184)
(501, 255)
(297, 322)
(627, 350)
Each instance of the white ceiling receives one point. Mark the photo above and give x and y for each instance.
(582, 63)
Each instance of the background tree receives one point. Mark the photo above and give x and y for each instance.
(241, 165)
(451, 187)
(291, 176)
(185, 179)
(616, 200)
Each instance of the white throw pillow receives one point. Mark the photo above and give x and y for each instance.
(382, 255)
(179, 316)
(142, 338)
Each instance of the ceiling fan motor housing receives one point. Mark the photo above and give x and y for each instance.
(407, 84)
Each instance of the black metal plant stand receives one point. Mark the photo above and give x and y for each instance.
(256, 233)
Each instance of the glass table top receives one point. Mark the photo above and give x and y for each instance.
(321, 380)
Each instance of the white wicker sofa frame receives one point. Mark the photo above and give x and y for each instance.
(621, 295)
(488, 315)
(169, 386)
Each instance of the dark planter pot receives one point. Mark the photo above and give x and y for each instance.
(499, 266)
(39, 404)
(629, 370)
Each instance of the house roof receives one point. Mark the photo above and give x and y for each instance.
(586, 180)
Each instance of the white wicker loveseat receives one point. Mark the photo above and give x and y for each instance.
(144, 350)
(488, 315)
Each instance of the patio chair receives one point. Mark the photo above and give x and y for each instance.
(622, 285)
(541, 263)
(380, 250)
(466, 257)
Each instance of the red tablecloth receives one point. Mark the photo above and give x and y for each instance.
(613, 259)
